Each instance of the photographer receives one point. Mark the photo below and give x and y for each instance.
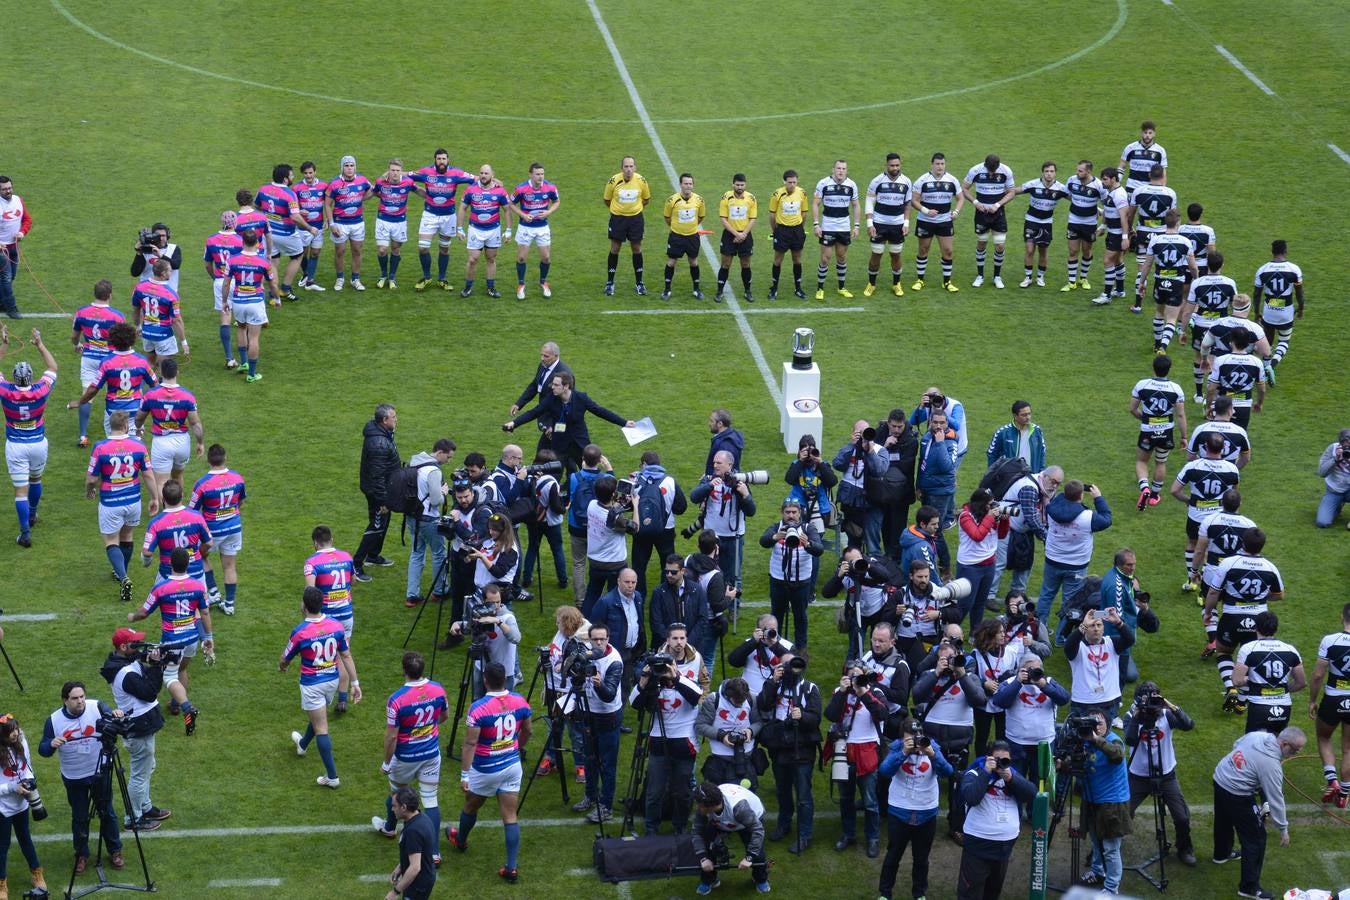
(811, 482)
(991, 789)
(679, 598)
(892, 672)
(1120, 590)
(152, 245)
(760, 653)
(862, 457)
(571, 636)
(727, 502)
(721, 810)
(185, 623)
(994, 661)
(792, 544)
(704, 567)
(977, 549)
(497, 560)
(18, 795)
(604, 699)
(1267, 671)
(1149, 725)
(1070, 525)
(790, 707)
(859, 709)
(936, 479)
(468, 520)
(545, 523)
(917, 613)
(672, 700)
(867, 584)
(490, 622)
(1017, 547)
(1030, 701)
(621, 612)
(72, 732)
(1106, 807)
(1334, 467)
(1094, 663)
(580, 493)
(949, 695)
(431, 492)
(730, 722)
(1256, 763)
(912, 769)
(657, 500)
(901, 446)
(1021, 625)
(136, 683)
(608, 522)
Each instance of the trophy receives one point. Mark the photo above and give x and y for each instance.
(803, 341)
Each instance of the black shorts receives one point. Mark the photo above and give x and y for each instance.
(889, 234)
(1334, 710)
(789, 237)
(1086, 233)
(1169, 291)
(1242, 415)
(626, 228)
(832, 238)
(1199, 328)
(1039, 233)
(731, 248)
(1236, 629)
(1272, 717)
(1192, 529)
(932, 229)
(1115, 242)
(1140, 240)
(1165, 440)
(997, 222)
(678, 245)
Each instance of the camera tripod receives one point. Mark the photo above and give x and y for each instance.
(637, 770)
(441, 576)
(473, 653)
(557, 720)
(1154, 751)
(1064, 806)
(110, 764)
(12, 670)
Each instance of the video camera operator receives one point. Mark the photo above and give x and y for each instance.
(136, 673)
(811, 480)
(494, 633)
(1094, 663)
(72, 732)
(1150, 723)
(792, 544)
(949, 695)
(672, 700)
(725, 809)
(860, 460)
(1030, 700)
(730, 721)
(912, 769)
(758, 654)
(726, 503)
(609, 521)
(867, 583)
(859, 710)
(1106, 808)
(19, 799)
(152, 245)
(790, 706)
(466, 526)
(1021, 625)
(571, 636)
(600, 728)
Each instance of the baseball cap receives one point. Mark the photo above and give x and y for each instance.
(227, 218)
(349, 159)
(126, 636)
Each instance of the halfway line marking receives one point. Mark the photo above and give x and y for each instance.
(243, 882)
(741, 321)
(29, 617)
(1345, 157)
(29, 315)
(373, 879)
(1251, 76)
(767, 311)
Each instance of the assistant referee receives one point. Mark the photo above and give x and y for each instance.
(786, 208)
(626, 195)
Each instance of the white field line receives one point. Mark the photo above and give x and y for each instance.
(29, 617)
(1251, 76)
(715, 311)
(243, 882)
(29, 315)
(1345, 157)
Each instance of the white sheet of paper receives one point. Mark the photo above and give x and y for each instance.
(641, 431)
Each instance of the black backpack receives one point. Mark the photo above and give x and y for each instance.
(1003, 474)
(401, 495)
(650, 505)
(583, 492)
(885, 489)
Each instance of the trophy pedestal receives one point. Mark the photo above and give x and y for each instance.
(800, 413)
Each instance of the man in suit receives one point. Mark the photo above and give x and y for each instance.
(568, 434)
(539, 388)
(621, 612)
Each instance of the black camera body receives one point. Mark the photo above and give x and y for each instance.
(1035, 674)
(144, 650)
(147, 241)
(921, 740)
(792, 536)
(1084, 727)
(35, 805)
(578, 660)
(693, 528)
(661, 666)
(866, 679)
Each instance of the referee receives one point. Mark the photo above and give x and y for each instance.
(684, 213)
(787, 205)
(738, 211)
(626, 195)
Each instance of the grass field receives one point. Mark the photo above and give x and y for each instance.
(118, 118)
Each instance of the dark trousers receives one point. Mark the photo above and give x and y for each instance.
(726, 770)
(461, 584)
(372, 541)
(759, 865)
(729, 558)
(981, 877)
(955, 743)
(790, 778)
(668, 775)
(603, 577)
(538, 533)
(790, 595)
(919, 838)
(643, 545)
(1234, 813)
(894, 520)
(18, 824)
(1170, 790)
(78, 792)
(602, 758)
(9, 267)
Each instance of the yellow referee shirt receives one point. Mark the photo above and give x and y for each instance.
(785, 208)
(626, 198)
(738, 210)
(685, 215)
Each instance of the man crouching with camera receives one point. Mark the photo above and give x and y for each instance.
(721, 810)
(136, 672)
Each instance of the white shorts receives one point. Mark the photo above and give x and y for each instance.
(252, 313)
(534, 234)
(317, 696)
(166, 347)
(89, 370)
(25, 460)
(218, 291)
(314, 241)
(415, 771)
(347, 628)
(431, 224)
(887, 247)
(354, 231)
(112, 519)
(386, 232)
(1277, 316)
(290, 244)
(171, 670)
(489, 784)
(480, 238)
(170, 451)
(228, 545)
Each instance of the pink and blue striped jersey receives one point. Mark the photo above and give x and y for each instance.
(485, 205)
(118, 463)
(218, 496)
(349, 198)
(255, 221)
(441, 187)
(93, 322)
(534, 200)
(125, 375)
(277, 202)
(248, 274)
(392, 200)
(178, 599)
(310, 197)
(158, 304)
(25, 408)
(318, 642)
(497, 718)
(168, 407)
(174, 528)
(417, 709)
(332, 571)
(219, 248)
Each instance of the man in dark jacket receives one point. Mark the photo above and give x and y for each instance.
(791, 709)
(136, 686)
(550, 364)
(680, 598)
(620, 611)
(901, 445)
(379, 460)
(724, 437)
(567, 435)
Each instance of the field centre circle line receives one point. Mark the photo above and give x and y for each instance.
(1122, 13)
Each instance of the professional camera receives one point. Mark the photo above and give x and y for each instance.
(34, 799)
(836, 742)
(662, 665)
(868, 435)
(162, 655)
(953, 591)
(906, 617)
(547, 468)
(866, 679)
(147, 241)
(1148, 707)
(1073, 747)
(771, 636)
(792, 537)
(797, 664)
(755, 476)
(693, 528)
(110, 728)
(1083, 727)
(737, 738)
(1035, 674)
(956, 643)
(578, 660)
(915, 731)
(1006, 510)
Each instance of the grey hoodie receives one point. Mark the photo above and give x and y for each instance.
(1255, 764)
(429, 479)
(1337, 474)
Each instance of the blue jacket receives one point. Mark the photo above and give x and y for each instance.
(1004, 444)
(608, 611)
(1007, 692)
(937, 464)
(956, 419)
(914, 544)
(1118, 591)
(729, 440)
(875, 464)
(1107, 780)
(942, 769)
(1064, 510)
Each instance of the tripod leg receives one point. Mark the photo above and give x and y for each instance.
(12, 671)
(459, 707)
(435, 635)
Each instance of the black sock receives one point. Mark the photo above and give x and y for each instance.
(745, 278)
(637, 267)
(693, 275)
(773, 277)
(722, 272)
(670, 274)
(613, 264)
(797, 275)
(872, 275)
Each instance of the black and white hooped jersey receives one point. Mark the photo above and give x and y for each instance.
(1237, 375)
(1244, 583)
(1224, 531)
(1236, 441)
(1201, 236)
(1042, 199)
(1335, 649)
(1152, 202)
(1171, 255)
(1084, 199)
(989, 186)
(1270, 667)
(1212, 295)
(938, 193)
(1207, 480)
(892, 198)
(1114, 204)
(1220, 330)
(1158, 401)
(836, 201)
(1139, 159)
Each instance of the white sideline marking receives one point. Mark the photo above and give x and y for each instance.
(243, 882)
(1345, 157)
(1329, 862)
(764, 604)
(1167, 2)
(673, 173)
(772, 310)
(30, 617)
(374, 879)
(29, 315)
(1251, 76)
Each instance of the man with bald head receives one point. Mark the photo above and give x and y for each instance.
(860, 457)
(620, 611)
(727, 503)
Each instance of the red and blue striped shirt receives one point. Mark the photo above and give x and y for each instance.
(417, 709)
(218, 496)
(318, 643)
(118, 463)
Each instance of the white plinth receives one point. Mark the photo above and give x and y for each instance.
(799, 423)
(797, 384)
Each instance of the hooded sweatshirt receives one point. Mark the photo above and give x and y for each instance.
(1070, 526)
(730, 440)
(429, 481)
(1337, 474)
